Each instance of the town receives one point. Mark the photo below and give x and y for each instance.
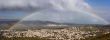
(70, 33)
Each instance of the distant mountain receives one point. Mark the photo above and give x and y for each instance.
(38, 22)
(8, 21)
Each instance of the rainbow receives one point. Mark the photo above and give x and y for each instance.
(61, 6)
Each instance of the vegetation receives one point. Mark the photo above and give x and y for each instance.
(101, 37)
(23, 38)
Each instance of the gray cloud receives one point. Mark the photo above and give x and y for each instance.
(18, 5)
(36, 4)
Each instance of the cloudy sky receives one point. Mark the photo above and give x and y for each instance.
(101, 7)
(13, 10)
